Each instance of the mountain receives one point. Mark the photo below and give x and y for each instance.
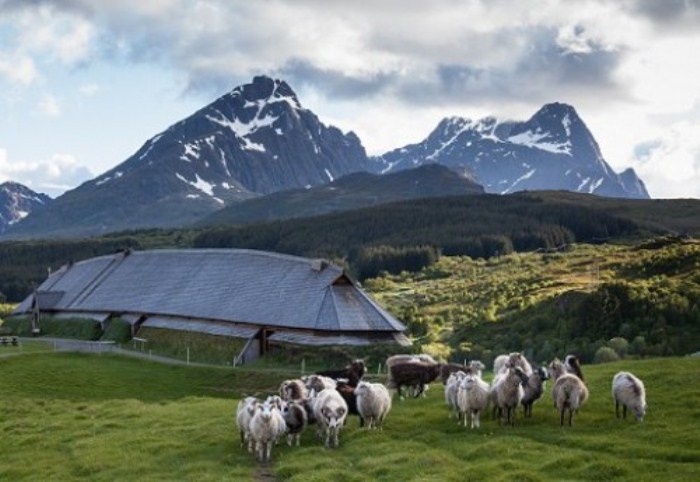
(255, 140)
(353, 191)
(17, 201)
(552, 150)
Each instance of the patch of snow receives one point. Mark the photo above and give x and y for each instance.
(199, 184)
(527, 175)
(225, 185)
(249, 145)
(330, 176)
(193, 196)
(19, 215)
(150, 146)
(278, 131)
(566, 122)
(583, 183)
(102, 181)
(308, 186)
(595, 185)
(568, 171)
(537, 140)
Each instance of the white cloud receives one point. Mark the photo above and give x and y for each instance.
(52, 176)
(88, 90)
(17, 68)
(49, 106)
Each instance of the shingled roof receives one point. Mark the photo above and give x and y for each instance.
(242, 287)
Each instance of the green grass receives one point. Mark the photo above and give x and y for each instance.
(88, 417)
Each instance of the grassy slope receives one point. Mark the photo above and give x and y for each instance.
(465, 301)
(72, 417)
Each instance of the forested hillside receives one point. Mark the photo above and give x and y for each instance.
(600, 302)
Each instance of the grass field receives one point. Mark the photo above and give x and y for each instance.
(89, 417)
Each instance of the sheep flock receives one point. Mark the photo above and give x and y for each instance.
(327, 399)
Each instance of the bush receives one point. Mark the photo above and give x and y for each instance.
(77, 328)
(118, 331)
(620, 345)
(605, 354)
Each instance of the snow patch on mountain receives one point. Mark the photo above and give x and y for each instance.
(538, 140)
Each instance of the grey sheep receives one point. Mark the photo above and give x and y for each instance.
(244, 414)
(296, 421)
(507, 392)
(264, 429)
(628, 391)
(330, 410)
(533, 388)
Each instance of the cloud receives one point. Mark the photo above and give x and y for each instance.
(670, 163)
(88, 90)
(49, 106)
(52, 176)
(17, 69)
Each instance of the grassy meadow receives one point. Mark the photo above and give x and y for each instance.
(87, 417)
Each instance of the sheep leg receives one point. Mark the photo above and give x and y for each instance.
(624, 411)
(617, 409)
(571, 417)
(561, 417)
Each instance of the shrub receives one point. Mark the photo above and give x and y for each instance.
(620, 345)
(118, 331)
(605, 354)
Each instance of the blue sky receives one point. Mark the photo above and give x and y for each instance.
(84, 83)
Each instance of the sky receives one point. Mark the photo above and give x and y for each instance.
(85, 83)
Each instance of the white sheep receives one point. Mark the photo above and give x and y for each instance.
(373, 403)
(476, 367)
(316, 383)
(472, 398)
(515, 359)
(569, 392)
(451, 392)
(507, 391)
(264, 429)
(628, 391)
(244, 414)
(330, 410)
(533, 389)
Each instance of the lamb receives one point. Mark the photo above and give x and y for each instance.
(264, 430)
(533, 389)
(244, 414)
(295, 419)
(569, 392)
(353, 373)
(502, 362)
(451, 392)
(330, 410)
(373, 403)
(413, 374)
(628, 391)
(472, 398)
(507, 391)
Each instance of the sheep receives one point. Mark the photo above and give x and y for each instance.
(295, 419)
(572, 365)
(292, 390)
(507, 391)
(569, 392)
(476, 367)
(353, 373)
(264, 429)
(316, 383)
(451, 391)
(533, 389)
(373, 403)
(446, 369)
(472, 398)
(413, 374)
(628, 391)
(244, 414)
(416, 358)
(278, 406)
(502, 362)
(347, 391)
(330, 411)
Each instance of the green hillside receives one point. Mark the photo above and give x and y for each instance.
(646, 297)
(74, 417)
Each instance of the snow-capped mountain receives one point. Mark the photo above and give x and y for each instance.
(552, 150)
(255, 140)
(17, 201)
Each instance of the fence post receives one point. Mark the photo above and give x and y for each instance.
(379, 369)
(188, 355)
(303, 366)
